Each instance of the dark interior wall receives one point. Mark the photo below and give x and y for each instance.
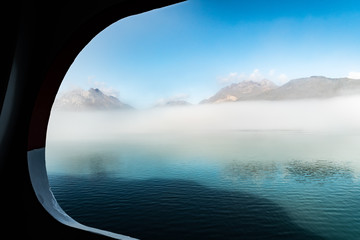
(9, 29)
(40, 40)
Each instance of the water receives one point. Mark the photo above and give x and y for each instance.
(219, 185)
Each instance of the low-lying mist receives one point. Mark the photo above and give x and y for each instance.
(326, 115)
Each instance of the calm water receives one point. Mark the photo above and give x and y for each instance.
(224, 185)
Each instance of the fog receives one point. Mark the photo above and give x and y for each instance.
(336, 115)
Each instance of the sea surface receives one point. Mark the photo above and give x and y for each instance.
(219, 185)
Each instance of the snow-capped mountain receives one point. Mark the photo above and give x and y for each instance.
(92, 99)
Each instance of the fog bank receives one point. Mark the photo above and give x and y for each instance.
(329, 115)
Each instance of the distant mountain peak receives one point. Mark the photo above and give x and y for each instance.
(172, 103)
(314, 87)
(301, 88)
(318, 77)
(241, 91)
(96, 90)
(92, 99)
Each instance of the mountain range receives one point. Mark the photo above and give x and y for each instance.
(303, 88)
(244, 90)
(315, 87)
(86, 100)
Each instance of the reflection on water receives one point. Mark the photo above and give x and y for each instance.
(98, 164)
(302, 171)
(318, 170)
(251, 170)
(314, 178)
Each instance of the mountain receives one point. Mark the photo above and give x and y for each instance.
(302, 88)
(172, 103)
(244, 90)
(313, 87)
(92, 99)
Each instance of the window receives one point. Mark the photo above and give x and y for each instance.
(205, 120)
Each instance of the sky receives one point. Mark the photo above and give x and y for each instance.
(188, 51)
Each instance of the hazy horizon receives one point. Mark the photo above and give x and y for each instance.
(334, 115)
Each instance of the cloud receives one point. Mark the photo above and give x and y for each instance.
(256, 75)
(282, 78)
(272, 72)
(235, 77)
(232, 78)
(354, 75)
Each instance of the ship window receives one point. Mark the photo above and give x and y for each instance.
(212, 120)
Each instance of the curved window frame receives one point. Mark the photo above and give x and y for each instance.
(65, 53)
(40, 183)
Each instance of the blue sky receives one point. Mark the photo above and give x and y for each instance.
(190, 50)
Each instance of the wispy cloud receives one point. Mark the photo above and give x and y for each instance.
(231, 78)
(272, 72)
(282, 79)
(354, 75)
(256, 75)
